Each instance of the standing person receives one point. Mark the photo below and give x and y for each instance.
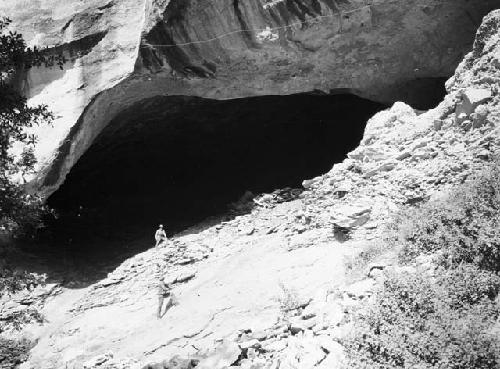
(164, 292)
(160, 235)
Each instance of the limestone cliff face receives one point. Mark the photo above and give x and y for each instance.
(123, 51)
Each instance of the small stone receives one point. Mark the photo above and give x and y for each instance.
(225, 355)
(374, 267)
(333, 315)
(484, 154)
(351, 216)
(387, 166)
(184, 277)
(185, 261)
(299, 325)
(308, 315)
(438, 124)
(308, 183)
(329, 344)
(302, 352)
(260, 335)
(361, 289)
(275, 346)
(334, 358)
(97, 361)
(479, 116)
(404, 155)
(460, 118)
(247, 231)
(251, 353)
(250, 344)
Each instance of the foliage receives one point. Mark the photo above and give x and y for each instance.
(14, 281)
(15, 54)
(356, 264)
(288, 299)
(464, 228)
(20, 318)
(446, 316)
(11, 282)
(417, 322)
(13, 353)
(19, 212)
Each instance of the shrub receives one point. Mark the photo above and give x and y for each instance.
(417, 322)
(17, 320)
(467, 285)
(288, 299)
(442, 319)
(20, 213)
(463, 228)
(13, 353)
(12, 281)
(356, 264)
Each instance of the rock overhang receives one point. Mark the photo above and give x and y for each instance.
(229, 49)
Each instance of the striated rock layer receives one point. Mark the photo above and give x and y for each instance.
(123, 51)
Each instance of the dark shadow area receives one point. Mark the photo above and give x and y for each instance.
(423, 93)
(178, 160)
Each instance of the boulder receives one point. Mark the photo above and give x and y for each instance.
(471, 99)
(250, 344)
(185, 261)
(438, 124)
(350, 216)
(479, 116)
(98, 361)
(275, 346)
(302, 352)
(361, 289)
(334, 357)
(483, 154)
(184, 276)
(385, 167)
(225, 355)
(298, 324)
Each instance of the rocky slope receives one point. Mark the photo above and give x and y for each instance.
(120, 52)
(231, 310)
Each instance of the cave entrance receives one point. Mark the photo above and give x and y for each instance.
(178, 160)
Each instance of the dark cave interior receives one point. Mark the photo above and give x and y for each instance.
(178, 160)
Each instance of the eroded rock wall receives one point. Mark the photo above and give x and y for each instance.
(373, 48)
(124, 51)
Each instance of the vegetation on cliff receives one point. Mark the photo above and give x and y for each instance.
(445, 315)
(19, 212)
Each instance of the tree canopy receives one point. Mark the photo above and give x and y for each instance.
(19, 211)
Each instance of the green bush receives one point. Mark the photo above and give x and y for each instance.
(463, 228)
(418, 322)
